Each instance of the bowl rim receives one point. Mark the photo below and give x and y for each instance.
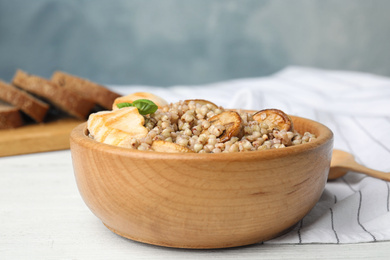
(79, 135)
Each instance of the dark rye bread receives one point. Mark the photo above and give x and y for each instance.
(10, 116)
(64, 99)
(90, 90)
(31, 106)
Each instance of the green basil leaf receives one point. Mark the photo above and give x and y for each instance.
(145, 106)
(124, 104)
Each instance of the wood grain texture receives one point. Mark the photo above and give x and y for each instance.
(202, 200)
(41, 209)
(35, 138)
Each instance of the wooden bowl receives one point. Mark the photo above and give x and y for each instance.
(202, 200)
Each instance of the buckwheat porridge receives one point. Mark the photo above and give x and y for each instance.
(192, 126)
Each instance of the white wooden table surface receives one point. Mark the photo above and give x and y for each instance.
(42, 216)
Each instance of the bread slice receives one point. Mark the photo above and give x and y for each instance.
(62, 98)
(31, 106)
(10, 116)
(97, 93)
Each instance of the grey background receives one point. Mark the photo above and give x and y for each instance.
(168, 42)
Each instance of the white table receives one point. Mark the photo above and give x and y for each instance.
(42, 216)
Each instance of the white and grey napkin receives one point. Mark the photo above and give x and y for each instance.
(356, 107)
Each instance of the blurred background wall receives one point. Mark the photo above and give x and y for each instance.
(169, 42)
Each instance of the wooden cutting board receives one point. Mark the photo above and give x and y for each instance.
(35, 138)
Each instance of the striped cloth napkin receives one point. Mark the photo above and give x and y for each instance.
(356, 107)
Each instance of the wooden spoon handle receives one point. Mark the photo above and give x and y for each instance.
(371, 172)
